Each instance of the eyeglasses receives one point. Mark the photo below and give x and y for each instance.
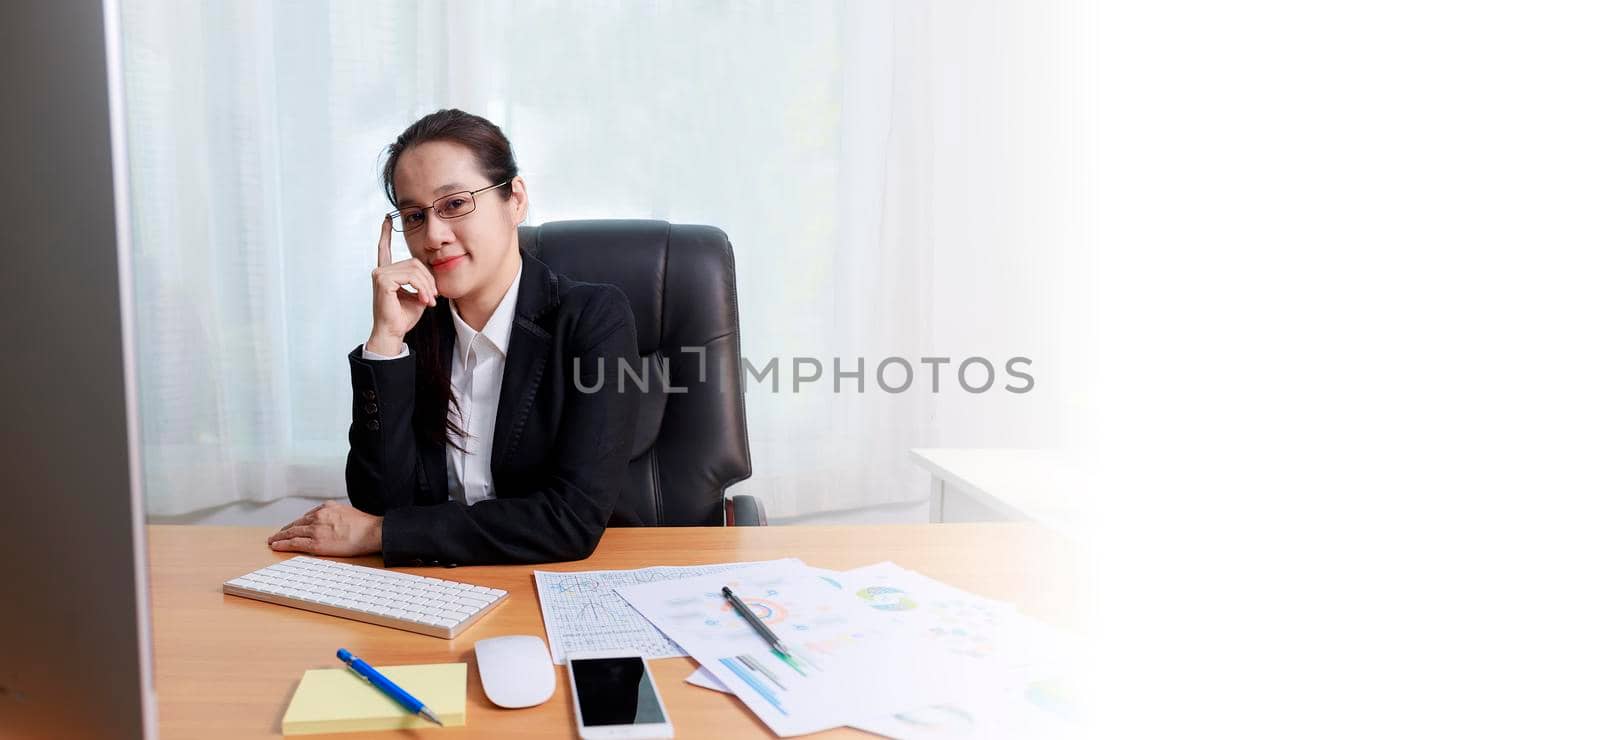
(454, 205)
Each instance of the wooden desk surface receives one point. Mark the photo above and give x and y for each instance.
(226, 666)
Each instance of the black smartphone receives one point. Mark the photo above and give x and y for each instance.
(614, 696)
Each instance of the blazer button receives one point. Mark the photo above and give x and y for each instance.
(369, 394)
(371, 408)
(372, 426)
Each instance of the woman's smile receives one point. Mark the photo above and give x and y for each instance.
(446, 263)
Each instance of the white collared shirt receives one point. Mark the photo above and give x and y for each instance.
(477, 367)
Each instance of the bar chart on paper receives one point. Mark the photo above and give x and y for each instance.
(1022, 661)
(846, 659)
(771, 675)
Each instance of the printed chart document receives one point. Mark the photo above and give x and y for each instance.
(583, 613)
(1021, 660)
(849, 661)
(991, 634)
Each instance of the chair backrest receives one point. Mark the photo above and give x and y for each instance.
(690, 444)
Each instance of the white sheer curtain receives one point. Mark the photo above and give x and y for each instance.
(893, 177)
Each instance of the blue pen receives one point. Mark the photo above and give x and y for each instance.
(386, 686)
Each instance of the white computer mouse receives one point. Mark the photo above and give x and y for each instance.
(515, 670)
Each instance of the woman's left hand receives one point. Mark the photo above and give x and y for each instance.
(335, 529)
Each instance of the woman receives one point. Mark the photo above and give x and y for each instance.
(471, 442)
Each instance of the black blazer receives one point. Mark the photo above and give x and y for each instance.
(559, 457)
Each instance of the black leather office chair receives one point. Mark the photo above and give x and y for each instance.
(688, 446)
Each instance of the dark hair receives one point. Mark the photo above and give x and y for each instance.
(493, 152)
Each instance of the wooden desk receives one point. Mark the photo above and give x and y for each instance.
(226, 666)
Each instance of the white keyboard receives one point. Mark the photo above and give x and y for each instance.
(427, 605)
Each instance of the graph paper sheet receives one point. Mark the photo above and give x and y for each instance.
(583, 613)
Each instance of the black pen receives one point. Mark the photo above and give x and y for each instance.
(755, 621)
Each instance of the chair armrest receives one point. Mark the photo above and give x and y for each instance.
(745, 511)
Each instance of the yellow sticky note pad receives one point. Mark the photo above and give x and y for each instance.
(337, 700)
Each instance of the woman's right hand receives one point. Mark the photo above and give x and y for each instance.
(394, 310)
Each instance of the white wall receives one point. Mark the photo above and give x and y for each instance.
(1344, 368)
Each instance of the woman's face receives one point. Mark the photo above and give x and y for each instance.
(468, 253)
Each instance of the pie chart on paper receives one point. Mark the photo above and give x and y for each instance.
(886, 598)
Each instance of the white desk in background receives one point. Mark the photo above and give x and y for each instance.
(973, 485)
